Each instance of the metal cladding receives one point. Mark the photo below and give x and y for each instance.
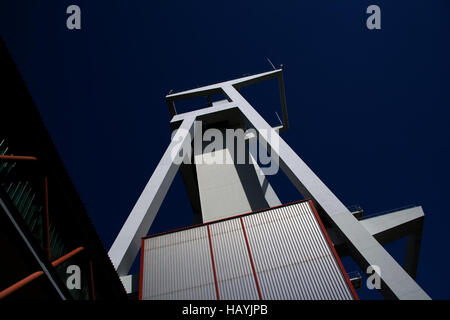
(177, 266)
(279, 253)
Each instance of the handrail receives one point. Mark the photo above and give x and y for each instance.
(16, 158)
(19, 284)
(55, 263)
(60, 260)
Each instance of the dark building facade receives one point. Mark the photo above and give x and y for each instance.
(50, 248)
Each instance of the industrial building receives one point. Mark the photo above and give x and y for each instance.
(246, 244)
(46, 236)
(281, 253)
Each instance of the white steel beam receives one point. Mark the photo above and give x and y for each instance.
(237, 83)
(396, 281)
(392, 220)
(125, 248)
(390, 227)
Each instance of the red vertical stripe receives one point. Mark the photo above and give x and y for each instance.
(47, 220)
(141, 270)
(333, 250)
(213, 264)
(251, 259)
(92, 280)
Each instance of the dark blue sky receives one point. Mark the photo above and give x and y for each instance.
(368, 109)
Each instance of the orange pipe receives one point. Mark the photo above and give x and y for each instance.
(47, 220)
(16, 158)
(19, 284)
(66, 256)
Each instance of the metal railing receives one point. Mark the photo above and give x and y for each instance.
(35, 275)
(21, 283)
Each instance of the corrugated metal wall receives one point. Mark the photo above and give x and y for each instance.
(234, 272)
(279, 253)
(178, 266)
(292, 257)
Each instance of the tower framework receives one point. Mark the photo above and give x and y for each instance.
(362, 239)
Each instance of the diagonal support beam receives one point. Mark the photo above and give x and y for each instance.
(396, 281)
(125, 248)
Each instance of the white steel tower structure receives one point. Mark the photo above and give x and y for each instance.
(223, 195)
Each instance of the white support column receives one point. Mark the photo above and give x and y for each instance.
(125, 248)
(395, 279)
